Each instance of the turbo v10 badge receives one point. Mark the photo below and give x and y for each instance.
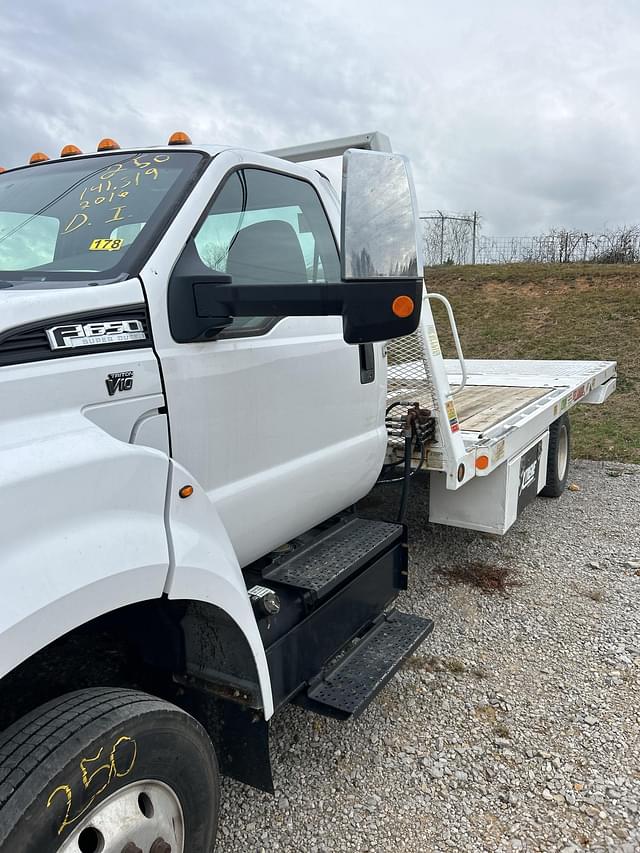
(75, 335)
(119, 382)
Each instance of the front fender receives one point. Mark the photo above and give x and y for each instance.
(204, 567)
(81, 530)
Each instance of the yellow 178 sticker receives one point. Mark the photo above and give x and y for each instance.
(106, 245)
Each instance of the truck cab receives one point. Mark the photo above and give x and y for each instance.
(194, 389)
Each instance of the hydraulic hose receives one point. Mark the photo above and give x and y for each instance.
(407, 477)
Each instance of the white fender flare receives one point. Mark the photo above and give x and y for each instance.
(204, 566)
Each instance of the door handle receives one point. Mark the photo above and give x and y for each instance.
(367, 363)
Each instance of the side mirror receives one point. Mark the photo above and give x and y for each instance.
(380, 293)
(381, 263)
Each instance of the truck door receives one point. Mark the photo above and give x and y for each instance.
(277, 419)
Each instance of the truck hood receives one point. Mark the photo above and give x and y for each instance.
(23, 305)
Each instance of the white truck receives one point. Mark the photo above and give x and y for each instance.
(194, 396)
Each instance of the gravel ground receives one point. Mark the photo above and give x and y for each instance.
(516, 726)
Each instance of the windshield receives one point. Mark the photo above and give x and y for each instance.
(88, 217)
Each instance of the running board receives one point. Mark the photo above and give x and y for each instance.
(334, 556)
(360, 674)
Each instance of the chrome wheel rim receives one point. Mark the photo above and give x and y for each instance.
(563, 452)
(144, 817)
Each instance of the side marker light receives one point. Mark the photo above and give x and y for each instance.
(402, 306)
(482, 462)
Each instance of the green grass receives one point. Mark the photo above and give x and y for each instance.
(572, 311)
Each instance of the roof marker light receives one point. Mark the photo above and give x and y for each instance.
(180, 138)
(38, 157)
(107, 144)
(70, 151)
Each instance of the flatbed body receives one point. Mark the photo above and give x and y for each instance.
(512, 401)
(489, 416)
(502, 397)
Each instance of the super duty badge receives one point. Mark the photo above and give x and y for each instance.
(75, 335)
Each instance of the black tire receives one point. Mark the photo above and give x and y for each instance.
(122, 737)
(559, 459)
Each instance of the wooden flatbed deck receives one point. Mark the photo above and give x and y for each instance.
(480, 407)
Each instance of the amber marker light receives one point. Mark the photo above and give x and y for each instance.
(70, 151)
(38, 157)
(2, 169)
(107, 144)
(482, 462)
(180, 138)
(402, 306)
(186, 491)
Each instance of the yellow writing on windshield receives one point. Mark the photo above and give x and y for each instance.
(107, 196)
(76, 221)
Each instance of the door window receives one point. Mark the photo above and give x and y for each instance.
(267, 228)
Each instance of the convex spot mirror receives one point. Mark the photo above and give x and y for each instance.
(380, 292)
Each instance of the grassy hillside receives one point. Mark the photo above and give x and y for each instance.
(574, 311)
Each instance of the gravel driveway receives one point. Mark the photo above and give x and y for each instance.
(516, 726)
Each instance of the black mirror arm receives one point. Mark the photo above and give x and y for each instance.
(213, 299)
(366, 306)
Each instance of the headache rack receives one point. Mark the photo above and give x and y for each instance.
(374, 141)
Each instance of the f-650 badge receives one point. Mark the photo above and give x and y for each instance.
(74, 335)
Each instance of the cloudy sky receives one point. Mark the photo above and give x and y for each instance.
(526, 111)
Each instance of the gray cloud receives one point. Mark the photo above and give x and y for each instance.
(525, 112)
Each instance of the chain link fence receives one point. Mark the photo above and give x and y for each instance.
(455, 238)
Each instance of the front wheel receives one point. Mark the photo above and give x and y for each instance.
(107, 771)
(559, 458)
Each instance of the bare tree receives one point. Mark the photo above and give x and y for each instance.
(450, 238)
(214, 255)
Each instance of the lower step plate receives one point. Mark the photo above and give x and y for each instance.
(362, 672)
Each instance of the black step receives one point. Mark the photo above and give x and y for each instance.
(362, 672)
(334, 556)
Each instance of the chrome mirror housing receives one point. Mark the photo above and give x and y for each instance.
(379, 238)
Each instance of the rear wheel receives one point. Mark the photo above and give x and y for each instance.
(107, 771)
(559, 458)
